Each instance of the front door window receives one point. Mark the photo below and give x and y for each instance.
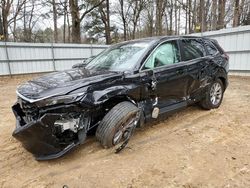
(166, 54)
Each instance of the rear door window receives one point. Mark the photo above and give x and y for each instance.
(192, 49)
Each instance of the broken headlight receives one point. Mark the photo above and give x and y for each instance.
(63, 99)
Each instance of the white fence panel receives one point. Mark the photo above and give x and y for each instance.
(236, 42)
(22, 58)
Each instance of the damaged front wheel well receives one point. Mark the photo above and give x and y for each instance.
(115, 100)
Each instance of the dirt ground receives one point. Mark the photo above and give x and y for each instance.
(191, 149)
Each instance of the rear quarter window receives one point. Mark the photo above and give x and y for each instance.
(211, 49)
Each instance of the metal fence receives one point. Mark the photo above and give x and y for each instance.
(22, 58)
(236, 42)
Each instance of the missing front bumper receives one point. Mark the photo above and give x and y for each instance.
(38, 137)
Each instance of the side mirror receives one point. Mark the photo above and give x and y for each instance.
(84, 63)
(79, 65)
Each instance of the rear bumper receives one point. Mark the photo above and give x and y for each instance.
(38, 137)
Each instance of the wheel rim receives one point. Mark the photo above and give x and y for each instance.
(215, 93)
(123, 131)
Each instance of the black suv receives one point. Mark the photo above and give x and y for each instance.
(127, 85)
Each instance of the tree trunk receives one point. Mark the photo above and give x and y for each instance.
(123, 20)
(189, 16)
(64, 20)
(175, 16)
(202, 19)
(124, 31)
(179, 18)
(134, 21)
(236, 17)
(246, 16)
(206, 12)
(158, 22)
(55, 21)
(186, 17)
(105, 17)
(139, 6)
(30, 22)
(68, 24)
(221, 14)
(214, 14)
(171, 18)
(76, 24)
(1, 28)
(241, 10)
(107, 29)
(194, 20)
(24, 23)
(14, 29)
(5, 13)
(150, 19)
(75, 32)
(246, 21)
(76, 18)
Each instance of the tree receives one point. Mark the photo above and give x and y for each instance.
(105, 17)
(123, 11)
(246, 13)
(137, 7)
(87, 6)
(29, 21)
(214, 15)
(22, 20)
(65, 13)
(6, 10)
(221, 14)
(236, 17)
(98, 23)
(54, 5)
(160, 10)
(170, 9)
(202, 19)
(1, 28)
(150, 19)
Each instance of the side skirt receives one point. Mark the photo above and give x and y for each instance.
(173, 108)
(169, 110)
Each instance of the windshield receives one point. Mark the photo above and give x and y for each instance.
(121, 58)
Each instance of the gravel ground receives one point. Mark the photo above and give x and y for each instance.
(193, 148)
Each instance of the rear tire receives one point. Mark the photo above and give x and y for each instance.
(113, 122)
(213, 96)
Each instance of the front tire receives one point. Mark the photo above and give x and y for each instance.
(112, 128)
(213, 96)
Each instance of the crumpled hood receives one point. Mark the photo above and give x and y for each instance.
(61, 83)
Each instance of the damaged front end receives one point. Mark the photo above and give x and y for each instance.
(55, 111)
(49, 132)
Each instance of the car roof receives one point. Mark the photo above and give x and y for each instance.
(159, 39)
